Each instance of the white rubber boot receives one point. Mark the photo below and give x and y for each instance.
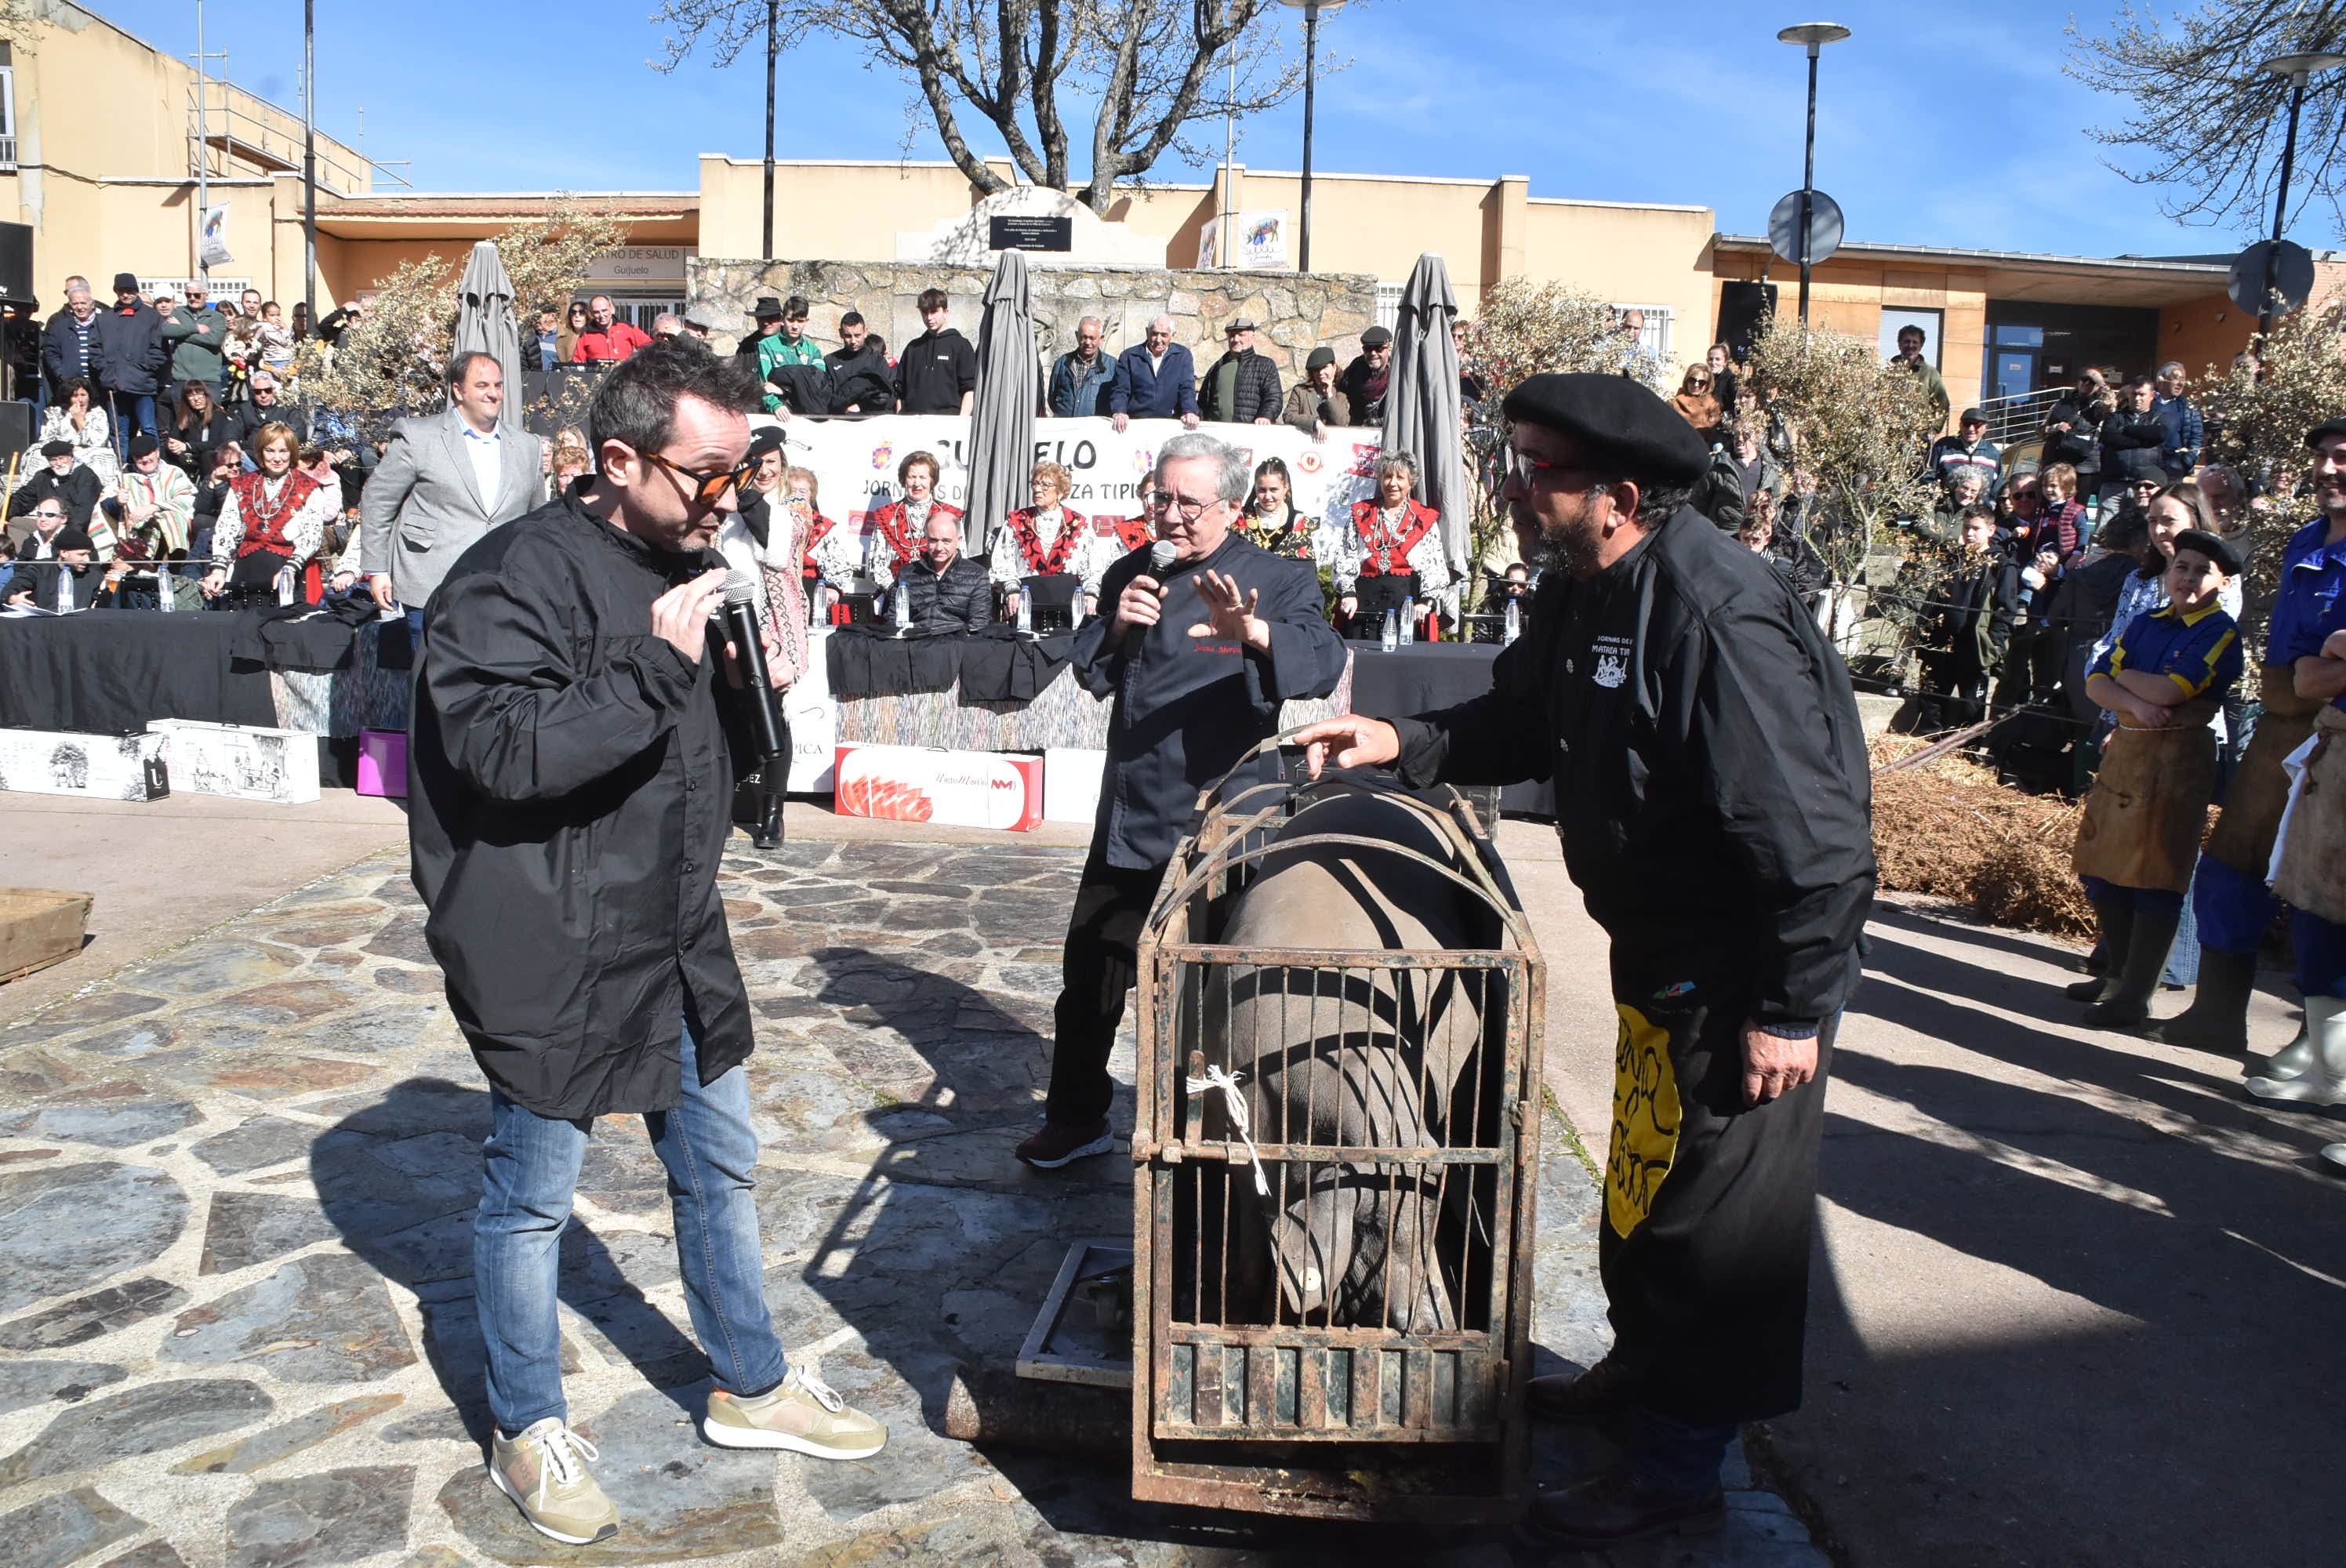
(2324, 1082)
(2294, 1060)
(2335, 1154)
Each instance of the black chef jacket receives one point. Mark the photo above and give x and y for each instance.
(570, 776)
(1187, 708)
(1711, 783)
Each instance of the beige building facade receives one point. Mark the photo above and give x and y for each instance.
(114, 192)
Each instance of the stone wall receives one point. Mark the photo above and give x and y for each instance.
(1295, 312)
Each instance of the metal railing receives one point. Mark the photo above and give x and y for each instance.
(272, 139)
(7, 152)
(2011, 419)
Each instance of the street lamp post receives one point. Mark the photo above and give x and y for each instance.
(1812, 36)
(2297, 68)
(310, 160)
(773, 9)
(1311, 9)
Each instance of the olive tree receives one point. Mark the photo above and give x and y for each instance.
(2257, 412)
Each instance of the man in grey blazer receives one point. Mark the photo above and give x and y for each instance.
(446, 480)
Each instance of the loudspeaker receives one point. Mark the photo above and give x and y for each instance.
(1740, 307)
(16, 263)
(15, 431)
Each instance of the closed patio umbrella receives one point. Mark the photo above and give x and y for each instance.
(1422, 405)
(486, 325)
(1002, 416)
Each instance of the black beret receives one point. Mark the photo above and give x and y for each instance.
(141, 444)
(1617, 423)
(2321, 433)
(126, 283)
(2216, 547)
(57, 449)
(766, 438)
(73, 539)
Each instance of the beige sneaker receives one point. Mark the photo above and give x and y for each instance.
(803, 1415)
(544, 1470)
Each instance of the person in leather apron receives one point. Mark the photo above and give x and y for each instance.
(2162, 678)
(2229, 898)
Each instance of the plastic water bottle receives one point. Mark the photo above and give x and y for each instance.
(1391, 639)
(816, 620)
(1515, 628)
(903, 607)
(1408, 621)
(1027, 614)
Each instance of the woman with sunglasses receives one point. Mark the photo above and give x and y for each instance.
(1696, 403)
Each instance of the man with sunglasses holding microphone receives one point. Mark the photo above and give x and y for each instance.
(571, 774)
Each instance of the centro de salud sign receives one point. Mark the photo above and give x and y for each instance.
(1029, 231)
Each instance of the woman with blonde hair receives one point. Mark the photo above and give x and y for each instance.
(1697, 403)
(271, 523)
(1048, 538)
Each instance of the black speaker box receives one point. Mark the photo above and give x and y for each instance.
(1740, 306)
(15, 431)
(16, 263)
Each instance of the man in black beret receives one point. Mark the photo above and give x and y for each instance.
(65, 480)
(1706, 752)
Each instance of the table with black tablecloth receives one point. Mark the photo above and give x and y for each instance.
(1424, 677)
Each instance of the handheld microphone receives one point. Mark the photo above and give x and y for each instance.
(1161, 556)
(739, 616)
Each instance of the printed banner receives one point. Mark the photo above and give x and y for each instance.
(854, 461)
(213, 249)
(1261, 242)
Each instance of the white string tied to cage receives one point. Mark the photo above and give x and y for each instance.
(1228, 1081)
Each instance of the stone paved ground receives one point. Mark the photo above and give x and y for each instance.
(236, 1316)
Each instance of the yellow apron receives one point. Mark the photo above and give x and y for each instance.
(2147, 811)
(2243, 838)
(2312, 874)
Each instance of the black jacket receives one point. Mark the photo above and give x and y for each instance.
(78, 490)
(960, 601)
(1366, 388)
(1976, 608)
(1256, 395)
(2131, 444)
(1187, 708)
(132, 355)
(861, 382)
(570, 777)
(934, 371)
(61, 351)
(2080, 445)
(1707, 734)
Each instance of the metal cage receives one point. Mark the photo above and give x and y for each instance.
(1277, 1367)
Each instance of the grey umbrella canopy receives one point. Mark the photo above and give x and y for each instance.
(1422, 401)
(486, 325)
(1002, 416)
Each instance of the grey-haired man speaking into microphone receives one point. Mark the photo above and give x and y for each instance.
(571, 778)
(1207, 634)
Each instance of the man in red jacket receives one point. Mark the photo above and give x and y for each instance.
(606, 337)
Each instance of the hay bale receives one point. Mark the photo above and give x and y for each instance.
(1947, 828)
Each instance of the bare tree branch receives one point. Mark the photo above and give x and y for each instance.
(2208, 123)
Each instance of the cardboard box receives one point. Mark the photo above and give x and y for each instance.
(383, 763)
(920, 784)
(1072, 775)
(240, 761)
(97, 767)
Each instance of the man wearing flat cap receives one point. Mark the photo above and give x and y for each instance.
(1703, 742)
(1365, 381)
(1242, 386)
(2230, 902)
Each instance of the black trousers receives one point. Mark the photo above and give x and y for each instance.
(1704, 1247)
(1096, 969)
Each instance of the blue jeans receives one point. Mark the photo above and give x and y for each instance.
(531, 1171)
(131, 408)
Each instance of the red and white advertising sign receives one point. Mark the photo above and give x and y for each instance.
(959, 788)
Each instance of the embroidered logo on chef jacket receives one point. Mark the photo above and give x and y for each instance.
(1612, 661)
(1645, 1122)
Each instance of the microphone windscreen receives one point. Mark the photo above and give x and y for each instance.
(740, 589)
(1161, 556)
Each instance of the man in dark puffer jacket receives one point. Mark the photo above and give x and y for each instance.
(1242, 386)
(949, 592)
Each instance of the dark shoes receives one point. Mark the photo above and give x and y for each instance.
(1579, 1399)
(1062, 1143)
(1616, 1507)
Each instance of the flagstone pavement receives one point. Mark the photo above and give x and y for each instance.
(237, 1326)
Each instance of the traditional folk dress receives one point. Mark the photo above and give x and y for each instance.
(1290, 534)
(269, 525)
(1046, 543)
(894, 532)
(1397, 545)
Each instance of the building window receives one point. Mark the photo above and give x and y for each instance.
(1655, 340)
(1389, 306)
(7, 114)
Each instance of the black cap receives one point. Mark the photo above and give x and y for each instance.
(141, 444)
(1323, 355)
(2216, 547)
(1973, 416)
(1618, 423)
(2324, 432)
(1375, 338)
(766, 438)
(73, 539)
(126, 282)
(57, 449)
(767, 309)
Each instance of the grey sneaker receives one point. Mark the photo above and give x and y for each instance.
(544, 1470)
(803, 1415)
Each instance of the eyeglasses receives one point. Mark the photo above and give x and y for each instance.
(50, 516)
(708, 489)
(1191, 511)
(1523, 468)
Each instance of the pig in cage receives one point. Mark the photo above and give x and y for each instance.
(1336, 1155)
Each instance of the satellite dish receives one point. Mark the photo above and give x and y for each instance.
(2292, 274)
(1824, 226)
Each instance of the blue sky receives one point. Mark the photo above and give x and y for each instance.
(1936, 125)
